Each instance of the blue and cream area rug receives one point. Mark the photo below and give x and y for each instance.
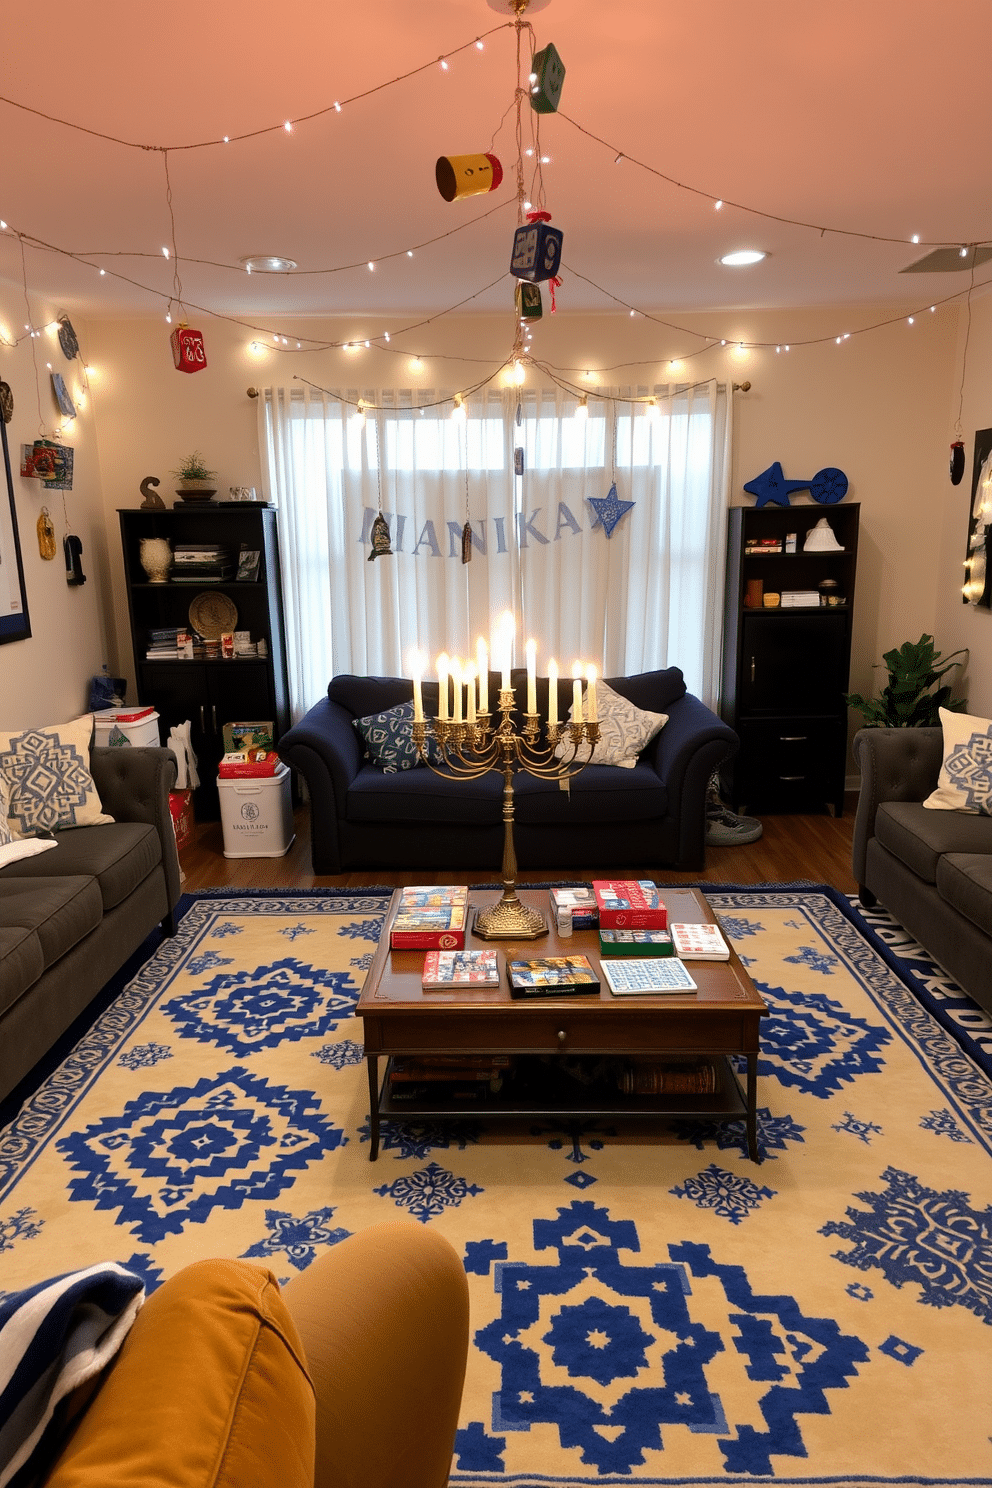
(648, 1306)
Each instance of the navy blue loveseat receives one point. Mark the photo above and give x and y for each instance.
(651, 816)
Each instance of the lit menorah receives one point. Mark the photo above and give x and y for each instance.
(471, 743)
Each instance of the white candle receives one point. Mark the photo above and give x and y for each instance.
(470, 694)
(577, 692)
(591, 679)
(530, 651)
(552, 691)
(482, 658)
(507, 628)
(418, 696)
(456, 678)
(443, 663)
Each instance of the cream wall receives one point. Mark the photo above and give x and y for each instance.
(959, 624)
(45, 679)
(876, 406)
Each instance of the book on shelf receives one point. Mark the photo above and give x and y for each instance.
(647, 978)
(581, 901)
(669, 1077)
(461, 969)
(635, 943)
(430, 917)
(800, 599)
(700, 943)
(763, 545)
(441, 1069)
(552, 976)
(627, 904)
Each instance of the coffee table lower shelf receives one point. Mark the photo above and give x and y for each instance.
(547, 1093)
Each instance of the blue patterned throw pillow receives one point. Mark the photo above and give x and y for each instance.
(388, 739)
(47, 779)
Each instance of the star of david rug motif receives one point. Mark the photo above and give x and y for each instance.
(648, 1306)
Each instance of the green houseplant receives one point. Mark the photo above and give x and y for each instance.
(194, 479)
(907, 700)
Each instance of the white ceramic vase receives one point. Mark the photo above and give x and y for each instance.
(156, 559)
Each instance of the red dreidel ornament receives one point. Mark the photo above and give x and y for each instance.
(188, 351)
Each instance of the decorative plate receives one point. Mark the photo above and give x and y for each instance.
(213, 615)
(67, 338)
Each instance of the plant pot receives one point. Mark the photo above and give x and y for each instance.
(196, 490)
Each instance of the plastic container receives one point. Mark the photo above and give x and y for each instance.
(143, 733)
(257, 815)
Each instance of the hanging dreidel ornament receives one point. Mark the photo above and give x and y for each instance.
(547, 75)
(957, 462)
(536, 249)
(188, 351)
(467, 175)
(528, 300)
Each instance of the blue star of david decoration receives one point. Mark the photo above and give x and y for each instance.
(245, 1011)
(826, 487)
(611, 1354)
(609, 509)
(168, 1159)
(296, 1238)
(920, 1235)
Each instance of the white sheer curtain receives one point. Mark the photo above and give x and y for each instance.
(650, 595)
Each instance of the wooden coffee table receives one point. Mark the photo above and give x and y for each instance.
(720, 1019)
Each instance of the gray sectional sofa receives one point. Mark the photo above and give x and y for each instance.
(931, 869)
(70, 917)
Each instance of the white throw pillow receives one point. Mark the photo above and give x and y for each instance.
(47, 778)
(623, 730)
(965, 780)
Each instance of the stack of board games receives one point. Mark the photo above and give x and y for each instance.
(460, 969)
(552, 976)
(635, 943)
(430, 917)
(581, 901)
(647, 978)
(626, 904)
(700, 943)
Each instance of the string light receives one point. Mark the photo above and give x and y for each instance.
(165, 252)
(288, 126)
(717, 205)
(582, 412)
(444, 65)
(915, 238)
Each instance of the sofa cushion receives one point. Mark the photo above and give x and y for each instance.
(47, 777)
(964, 880)
(600, 793)
(119, 856)
(43, 918)
(965, 780)
(919, 837)
(388, 739)
(210, 1390)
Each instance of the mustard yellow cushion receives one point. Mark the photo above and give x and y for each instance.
(210, 1390)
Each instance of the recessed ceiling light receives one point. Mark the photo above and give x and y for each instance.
(743, 256)
(268, 263)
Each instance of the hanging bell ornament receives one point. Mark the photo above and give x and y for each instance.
(380, 539)
(957, 462)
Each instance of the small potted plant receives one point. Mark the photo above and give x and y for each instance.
(195, 481)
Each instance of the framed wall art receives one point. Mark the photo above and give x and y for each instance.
(14, 622)
(977, 589)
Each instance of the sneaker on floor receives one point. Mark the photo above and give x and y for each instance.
(729, 830)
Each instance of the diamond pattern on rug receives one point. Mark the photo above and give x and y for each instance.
(810, 1042)
(245, 1011)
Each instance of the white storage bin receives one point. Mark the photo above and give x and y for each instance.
(143, 734)
(257, 815)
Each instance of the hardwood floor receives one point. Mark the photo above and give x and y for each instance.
(816, 847)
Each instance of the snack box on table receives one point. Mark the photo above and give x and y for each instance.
(626, 904)
(430, 917)
(552, 976)
(581, 901)
(635, 943)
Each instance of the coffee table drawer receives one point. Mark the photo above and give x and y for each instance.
(546, 1031)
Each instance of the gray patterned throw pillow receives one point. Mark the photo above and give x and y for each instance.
(47, 778)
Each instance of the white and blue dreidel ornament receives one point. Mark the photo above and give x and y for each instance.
(467, 175)
(536, 249)
(548, 73)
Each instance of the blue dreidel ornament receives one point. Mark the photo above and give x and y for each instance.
(467, 175)
(536, 249)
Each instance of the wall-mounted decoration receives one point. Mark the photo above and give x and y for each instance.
(536, 248)
(188, 351)
(977, 588)
(609, 509)
(548, 71)
(67, 338)
(74, 575)
(46, 535)
(827, 486)
(467, 175)
(66, 406)
(6, 402)
(14, 622)
(957, 462)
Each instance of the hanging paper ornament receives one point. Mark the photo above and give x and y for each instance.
(46, 534)
(467, 175)
(528, 301)
(6, 402)
(74, 575)
(518, 461)
(66, 406)
(39, 459)
(536, 248)
(188, 351)
(609, 509)
(549, 72)
(957, 462)
(380, 539)
(467, 543)
(67, 338)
